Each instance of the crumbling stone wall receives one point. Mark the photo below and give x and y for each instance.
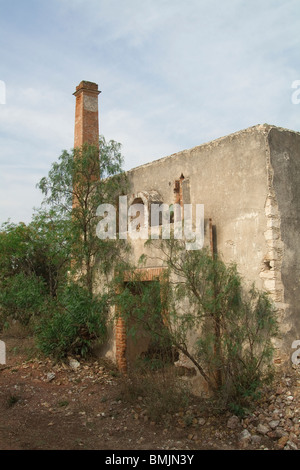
(251, 193)
(147, 274)
(284, 183)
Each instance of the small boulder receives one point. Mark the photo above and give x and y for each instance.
(50, 376)
(262, 429)
(233, 422)
(74, 364)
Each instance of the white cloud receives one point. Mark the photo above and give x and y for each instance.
(173, 75)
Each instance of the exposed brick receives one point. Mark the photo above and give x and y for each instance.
(143, 275)
(87, 122)
(86, 114)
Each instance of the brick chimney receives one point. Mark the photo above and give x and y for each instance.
(86, 114)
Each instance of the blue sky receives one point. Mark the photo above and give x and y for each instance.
(173, 74)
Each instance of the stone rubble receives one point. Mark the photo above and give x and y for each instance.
(275, 423)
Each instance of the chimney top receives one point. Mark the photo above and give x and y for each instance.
(86, 114)
(87, 86)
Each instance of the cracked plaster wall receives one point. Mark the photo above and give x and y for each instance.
(248, 183)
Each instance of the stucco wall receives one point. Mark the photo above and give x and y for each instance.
(249, 184)
(285, 163)
(228, 176)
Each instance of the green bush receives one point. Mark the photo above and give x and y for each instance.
(21, 298)
(75, 320)
(224, 329)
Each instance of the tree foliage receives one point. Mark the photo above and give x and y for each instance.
(39, 248)
(72, 323)
(40, 261)
(76, 185)
(33, 264)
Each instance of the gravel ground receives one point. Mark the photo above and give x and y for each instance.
(79, 405)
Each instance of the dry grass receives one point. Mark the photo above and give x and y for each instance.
(162, 392)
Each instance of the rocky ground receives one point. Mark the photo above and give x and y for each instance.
(81, 405)
(275, 422)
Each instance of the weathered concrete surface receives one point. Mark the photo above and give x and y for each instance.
(285, 162)
(228, 176)
(249, 184)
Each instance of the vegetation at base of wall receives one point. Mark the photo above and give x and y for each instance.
(75, 320)
(208, 316)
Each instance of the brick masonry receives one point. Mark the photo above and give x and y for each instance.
(87, 121)
(143, 275)
(86, 114)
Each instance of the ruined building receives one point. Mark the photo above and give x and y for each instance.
(249, 183)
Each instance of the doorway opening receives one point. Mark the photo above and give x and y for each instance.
(142, 332)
